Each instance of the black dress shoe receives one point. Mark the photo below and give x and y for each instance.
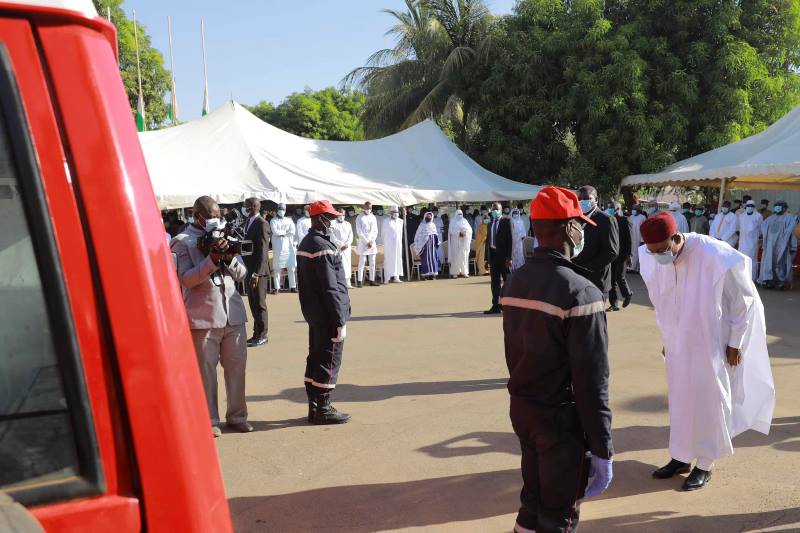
(359, 284)
(274, 291)
(260, 341)
(697, 479)
(293, 290)
(673, 467)
(374, 284)
(627, 301)
(612, 308)
(494, 310)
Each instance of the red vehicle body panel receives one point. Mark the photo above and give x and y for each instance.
(158, 458)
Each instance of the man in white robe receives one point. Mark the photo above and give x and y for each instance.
(712, 324)
(680, 218)
(458, 244)
(283, 249)
(725, 226)
(749, 232)
(303, 224)
(393, 246)
(379, 218)
(342, 238)
(367, 231)
(636, 220)
(780, 246)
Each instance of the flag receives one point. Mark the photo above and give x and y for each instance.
(205, 100)
(206, 106)
(140, 121)
(173, 105)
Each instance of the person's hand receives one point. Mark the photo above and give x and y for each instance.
(369, 244)
(508, 263)
(733, 355)
(486, 265)
(343, 248)
(341, 333)
(629, 261)
(254, 281)
(663, 352)
(461, 234)
(601, 472)
(218, 250)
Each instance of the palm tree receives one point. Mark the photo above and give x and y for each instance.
(432, 71)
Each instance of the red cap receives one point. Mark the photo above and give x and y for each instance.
(658, 228)
(323, 207)
(557, 203)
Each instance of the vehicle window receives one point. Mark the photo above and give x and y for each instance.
(44, 434)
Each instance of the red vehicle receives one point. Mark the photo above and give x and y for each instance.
(103, 423)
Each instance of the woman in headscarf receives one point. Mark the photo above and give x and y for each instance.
(518, 233)
(480, 245)
(426, 243)
(458, 241)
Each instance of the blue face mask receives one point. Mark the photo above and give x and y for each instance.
(750, 209)
(611, 211)
(697, 212)
(586, 206)
(666, 258)
(777, 208)
(725, 210)
(634, 212)
(281, 213)
(495, 213)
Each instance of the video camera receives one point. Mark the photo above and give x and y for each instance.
(231, 232)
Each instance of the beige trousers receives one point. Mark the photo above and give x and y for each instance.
(227, 346)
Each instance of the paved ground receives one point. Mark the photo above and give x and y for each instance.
(430, 446)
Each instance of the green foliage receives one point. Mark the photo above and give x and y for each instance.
(155, 78)
(327, 114)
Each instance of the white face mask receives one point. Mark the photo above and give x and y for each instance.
(306, 214)
(367, 211)
(393, 215)
(281, 213)
(214, 224)
(577, 249)
(245, 211)
(340, 218)
(667, 258)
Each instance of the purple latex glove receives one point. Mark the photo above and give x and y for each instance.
(600, 474)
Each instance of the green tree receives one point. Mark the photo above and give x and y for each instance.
(155, 78)
(328, 114)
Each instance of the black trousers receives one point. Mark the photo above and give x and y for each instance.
(324, 359)
(619, 282)
(257, 298)
(499, 272)
(555, 466)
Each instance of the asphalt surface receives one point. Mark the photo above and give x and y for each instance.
(430, 446)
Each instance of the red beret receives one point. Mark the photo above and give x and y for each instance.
(658, 228)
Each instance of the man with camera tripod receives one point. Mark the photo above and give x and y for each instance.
(208, 273)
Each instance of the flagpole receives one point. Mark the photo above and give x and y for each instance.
(140, 104)
(205, 68)
(174, 98)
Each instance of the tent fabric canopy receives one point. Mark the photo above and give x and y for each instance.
(230, 155)
(767, 160)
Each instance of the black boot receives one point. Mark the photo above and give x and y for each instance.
(697, 479)
(312, 402)
(325, 413)
(670, 469)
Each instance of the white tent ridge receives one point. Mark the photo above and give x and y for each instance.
(767, 160)
(230, 155)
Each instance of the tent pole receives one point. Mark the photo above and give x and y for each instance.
(406, 251)
(723, 189)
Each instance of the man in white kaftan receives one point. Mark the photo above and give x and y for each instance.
(393, 246)
(712, 324)
(284, 248)
(367, 231)
(636, 219)
(458, 244)
(342, 238)
(725, 226)
(780, 246)
(749, 232)
(303, 225)
(680, 218)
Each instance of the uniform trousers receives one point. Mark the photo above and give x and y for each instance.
(257, 298)
(499, 272)
(555, 466)
(227, 346)
(324, 359)
(619, 282)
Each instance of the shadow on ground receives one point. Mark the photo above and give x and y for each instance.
(783, 521)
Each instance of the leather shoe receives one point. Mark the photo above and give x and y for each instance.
(293, 290)
(256, 341)
(670, 469)
(697, 479)
(612, 308)
(216, 432)
(327, 415)
(627, 301)
(241, 427)
(494, 310)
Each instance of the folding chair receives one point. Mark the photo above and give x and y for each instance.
(416, 263)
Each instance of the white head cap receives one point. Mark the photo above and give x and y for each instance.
(394, 209)
(674, 206)
(459, 213)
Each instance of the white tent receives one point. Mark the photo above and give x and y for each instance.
(768, 160)
(231, 155)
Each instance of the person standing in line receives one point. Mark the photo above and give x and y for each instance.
(780, 245)
(439, 223)
(392, 232)
(699, 223)
(482, 214)
(379, 218)
(216, 311)
(325, 304)
(711, 319)
(725, 226)
(683, 224)
(686, 210)
(749, 233)
(302, 225)
(367, 231)
(426, 242)
(342, 236)
(602, 241)
(498, 254)
(619, 282)
(480, 246)
(556, 347)
(636, 220)
(283, 249)
(256, 230)
(458, 244)
(517, 234)
(765, 210)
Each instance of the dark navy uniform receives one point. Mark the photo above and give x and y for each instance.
(557, 355)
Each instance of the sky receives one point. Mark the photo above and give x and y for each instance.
(268, 49)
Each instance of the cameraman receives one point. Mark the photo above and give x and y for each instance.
(216, 311)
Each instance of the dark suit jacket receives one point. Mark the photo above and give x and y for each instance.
(503, 244)
(601, 247)
(624, 226)
(259, 233)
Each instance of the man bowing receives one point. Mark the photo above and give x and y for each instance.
(712, 323)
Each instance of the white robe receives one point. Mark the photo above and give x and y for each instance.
(283, 244)
(636, 238)
(392, 232)
(458, 247)
(683, 224)
(367, 231)
(342, 235)
(704, 302)
(724, 228)
(780, 245)
(749, 232)
(303, 226)
(517, 234)
(439, 223)
(379, 220)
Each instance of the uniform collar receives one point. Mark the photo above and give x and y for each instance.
(546, 254)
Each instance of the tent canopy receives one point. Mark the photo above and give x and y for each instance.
(230, 155)
(768, 160)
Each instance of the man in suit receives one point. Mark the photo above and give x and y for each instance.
(619, 283)
(216, 311)
(601, 241)
(256, 230)
(498, 254)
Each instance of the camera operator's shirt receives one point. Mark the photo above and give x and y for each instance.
(210, 294)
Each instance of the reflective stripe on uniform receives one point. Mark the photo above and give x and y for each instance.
(554, 310)
(309, 255)
(320, 385)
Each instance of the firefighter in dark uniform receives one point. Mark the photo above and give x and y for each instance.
(326, 307)
(557, 355)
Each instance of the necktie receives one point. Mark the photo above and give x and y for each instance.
(494, 233)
